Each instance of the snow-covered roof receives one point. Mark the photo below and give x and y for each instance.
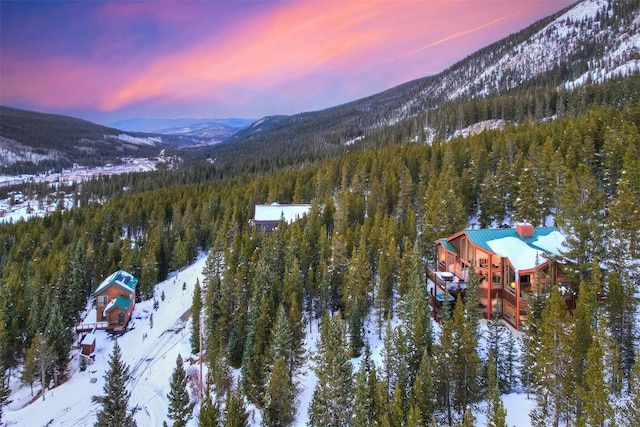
(524, 254)
(88, 339)
(276, 211)
(120, 278)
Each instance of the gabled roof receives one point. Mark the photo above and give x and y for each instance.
(276, 212)
(523, 252)
(121, 279)
(120, 302)
(448, 246)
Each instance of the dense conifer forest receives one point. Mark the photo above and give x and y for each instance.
(378, 206)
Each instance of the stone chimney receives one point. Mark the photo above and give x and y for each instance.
(524, 229)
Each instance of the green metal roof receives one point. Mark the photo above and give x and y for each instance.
(448, 246)
(481, 237)
(120, 302)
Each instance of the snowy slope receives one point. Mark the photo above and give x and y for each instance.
(560, 43)
(152, 361)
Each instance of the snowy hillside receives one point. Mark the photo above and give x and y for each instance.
(151, 352)
(151, 360)
(562, 46)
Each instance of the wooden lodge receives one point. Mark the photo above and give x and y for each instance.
(267, 217)
(511, 265)
(115, 300)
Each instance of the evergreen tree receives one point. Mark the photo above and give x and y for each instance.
(282, 342)
(235, 414)
(554, 379)
(38, 361)
(114, 411)
(256, 356)
(444, 376)
(496, 413)
(395, 363)
(594, 393)
(467, 364)
(280, 405)
(526, 207)
(331, 404)
(4, 393)
(59, 339)
(363, 398)
(581, 217)
(468, 419)
(417, 317)
(423, 393)
(196, 309)
(209, 415)
(180, 407)
(620, 315)
(630, 410)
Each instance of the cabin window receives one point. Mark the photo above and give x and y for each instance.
(496, 278)
(102, 300)
(483, 262)
(525, 285)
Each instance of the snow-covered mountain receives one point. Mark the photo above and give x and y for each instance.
(590, 42)
(215, 130)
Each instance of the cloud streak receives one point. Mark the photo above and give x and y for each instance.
(102, 60)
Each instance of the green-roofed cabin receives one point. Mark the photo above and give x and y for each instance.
(115, 299)
(511, 263)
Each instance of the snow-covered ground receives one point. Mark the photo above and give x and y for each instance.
(152, 361)
(22, 208)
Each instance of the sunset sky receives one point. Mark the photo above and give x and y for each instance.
(111, 60)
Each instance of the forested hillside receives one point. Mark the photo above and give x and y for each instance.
(529, 74)
(360, 252)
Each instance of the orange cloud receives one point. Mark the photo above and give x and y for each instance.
(148, 54)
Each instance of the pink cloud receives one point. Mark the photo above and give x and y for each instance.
(291, 50)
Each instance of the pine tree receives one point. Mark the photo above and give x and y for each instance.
(331, 404)
(581, 216)
(468, 419)
(363, 398)
(281, 339)
(467, 364)
(496, 413)
(38, 361)
(417, 317)
(279, 406)
(554, 379)
(209, 415)
(4, 393)
(395, 364)
(620, 311)
(59, 339)
(594, 392)
(235, 414)
(114, 411)
(423, 393)
(180, 406)
(630, 411)
(196, 309)
(256, 356)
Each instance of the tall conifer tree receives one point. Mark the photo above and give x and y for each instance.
(196, 309)
(180, 406)
(114, 411)
(331, 404)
